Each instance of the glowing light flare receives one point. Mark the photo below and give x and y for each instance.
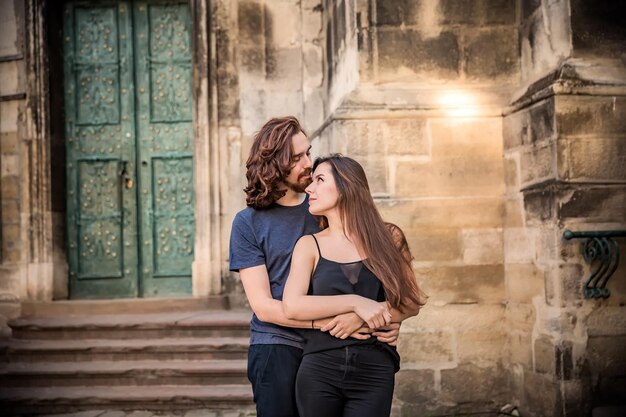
(457, 103)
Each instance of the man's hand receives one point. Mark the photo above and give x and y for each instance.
(388, 334)
(344, 325)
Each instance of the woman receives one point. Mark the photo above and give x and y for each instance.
(352, 265)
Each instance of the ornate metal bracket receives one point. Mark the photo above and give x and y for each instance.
(602, 248)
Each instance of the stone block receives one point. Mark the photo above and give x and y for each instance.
(513, 216)
(607, 321)
(10, 33)
(312, 56)
(11, 256)
(377, 174)
(593, 159)
(520, 349)
(463, 284)
(544, 359)
(251, 23)
(479, 346)
(606, 355)
(465, 317)
(10, 211)
(538, 163)
(470, 383)
(252, 60)
(426, 347)
(10, 114)
(520, 316)
(9, 166)
(10, 187)
(443, 213)
(547, 241)
(595, 205)
(283, 23)
(395, 13)
(541, 394)
(434, 244)
(511, 174)
(454, 12)
(408, 50)
(516, 129)
(523, 282)
(451, 176)
(590, 115)
(477, 12)
(11, 236)
(539, 207)
(9, 78)
(284, 67)
(491, 54)
(9, 142)
(363, 138)
(473, 138)
(482, 246)
(542, 121)
(572, 277)
(407, 137)
(519, 245)
(499, 12)
(415, 386)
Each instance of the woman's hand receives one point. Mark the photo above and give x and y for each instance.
(388, 334)
(373, 313)
(344, 325)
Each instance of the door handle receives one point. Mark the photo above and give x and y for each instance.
(126, 177)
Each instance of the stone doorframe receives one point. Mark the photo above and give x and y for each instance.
(38, 279)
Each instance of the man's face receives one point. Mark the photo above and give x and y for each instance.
(300, 176)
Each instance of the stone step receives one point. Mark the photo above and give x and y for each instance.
(20, 350)
(136, 373)
(217, 323)
(48, 400)
(124, 306)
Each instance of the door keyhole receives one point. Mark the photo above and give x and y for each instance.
(126, 177)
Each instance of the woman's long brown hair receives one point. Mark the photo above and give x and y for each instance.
(380, 250)
(270, 161)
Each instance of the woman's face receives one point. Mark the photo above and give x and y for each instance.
(323, 194)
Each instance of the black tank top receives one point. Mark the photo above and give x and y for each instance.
(336, 278)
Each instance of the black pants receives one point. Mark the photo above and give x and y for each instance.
(272, 370)
(353, 381)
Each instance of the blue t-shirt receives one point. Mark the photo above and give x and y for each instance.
(267, 237)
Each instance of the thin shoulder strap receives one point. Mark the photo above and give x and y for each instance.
(318, 245)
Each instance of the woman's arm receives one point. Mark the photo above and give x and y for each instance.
(297, 305)
(398, 316)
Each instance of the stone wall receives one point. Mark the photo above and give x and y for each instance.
(12, 101)
(564, 169)
(424, 120)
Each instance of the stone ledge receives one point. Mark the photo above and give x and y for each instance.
(574, 77)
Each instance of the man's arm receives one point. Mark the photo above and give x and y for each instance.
(256, 283)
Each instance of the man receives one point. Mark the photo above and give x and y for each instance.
(262, 239)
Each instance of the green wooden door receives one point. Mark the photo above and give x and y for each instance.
(129, 148)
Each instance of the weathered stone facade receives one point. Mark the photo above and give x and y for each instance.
(486, 127)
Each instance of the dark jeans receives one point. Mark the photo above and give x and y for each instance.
(272, 370)
(354, 381)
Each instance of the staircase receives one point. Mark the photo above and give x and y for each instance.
(125, 355)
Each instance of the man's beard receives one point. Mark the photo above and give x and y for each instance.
(303, 181)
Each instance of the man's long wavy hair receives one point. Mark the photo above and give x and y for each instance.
(382, 246)
(270, 161)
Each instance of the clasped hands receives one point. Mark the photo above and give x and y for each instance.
(370, 318)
